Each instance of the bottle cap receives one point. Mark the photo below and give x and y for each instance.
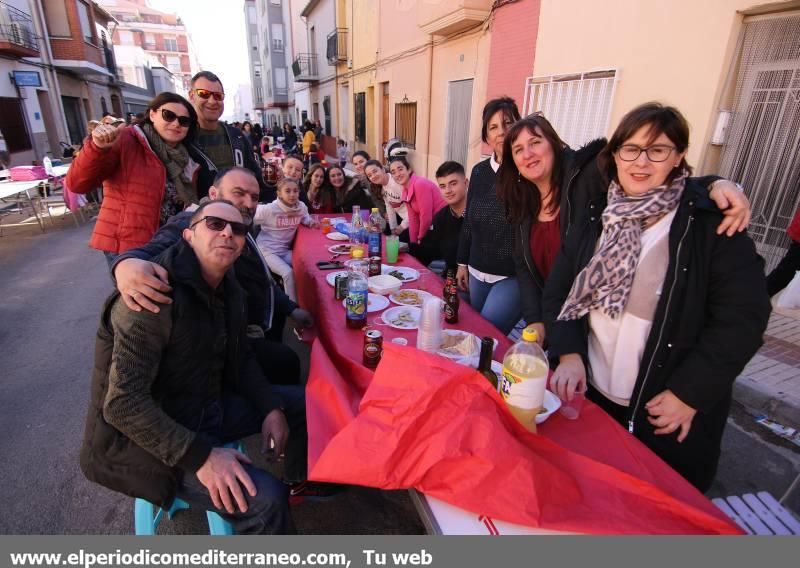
(530, 334)
(374, 209)
(359, 253)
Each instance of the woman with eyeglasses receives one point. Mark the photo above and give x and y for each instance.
(146, 172)
(544, 186)
(649, 303)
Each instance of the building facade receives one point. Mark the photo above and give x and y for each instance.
(158, 34)
(269, 49)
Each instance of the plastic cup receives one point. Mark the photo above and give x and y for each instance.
(571, 409)
(392, 248)
(315, 219)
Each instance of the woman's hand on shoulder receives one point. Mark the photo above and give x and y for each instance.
(734, 205)
(668, 413)
(569, 376)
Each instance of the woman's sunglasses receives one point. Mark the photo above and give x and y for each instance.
(218, 224)
(205, 94)
(170, 116)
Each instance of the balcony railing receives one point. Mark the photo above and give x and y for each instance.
(16, 32)
(337, 46)
(304, 68)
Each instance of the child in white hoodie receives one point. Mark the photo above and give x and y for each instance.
(278, 221)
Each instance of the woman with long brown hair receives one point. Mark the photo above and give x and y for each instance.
(320, 195)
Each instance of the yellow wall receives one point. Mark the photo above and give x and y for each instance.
(676, 51)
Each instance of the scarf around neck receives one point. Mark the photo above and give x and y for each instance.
(605, 283)
(175, 161)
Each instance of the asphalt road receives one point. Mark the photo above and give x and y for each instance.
(51, 289)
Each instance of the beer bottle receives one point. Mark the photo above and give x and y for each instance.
(451, 279)
(451, 303)
(485, 362)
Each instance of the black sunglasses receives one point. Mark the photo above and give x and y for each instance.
(219, 224)
(170, 116)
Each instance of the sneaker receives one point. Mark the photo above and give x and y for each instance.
(313, 491)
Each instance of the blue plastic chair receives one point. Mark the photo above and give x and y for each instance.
(146, 518)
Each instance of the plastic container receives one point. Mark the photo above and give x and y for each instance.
(524, 379)
(431, 323)
(384, 284)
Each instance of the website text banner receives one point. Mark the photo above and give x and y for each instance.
(394, 551)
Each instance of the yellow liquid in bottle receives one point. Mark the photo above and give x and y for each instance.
(523, 384)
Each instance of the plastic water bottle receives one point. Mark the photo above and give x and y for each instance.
(357, 227)
(357, 296)
(524, 379)
(375, 226)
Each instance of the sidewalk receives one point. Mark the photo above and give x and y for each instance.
(770, 383)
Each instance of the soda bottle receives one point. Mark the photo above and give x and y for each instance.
(524, 379)
(357, 296)
(356, 227)
(485, 361)
(451, 303)
(374, 231)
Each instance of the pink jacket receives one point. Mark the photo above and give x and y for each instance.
(423, 201)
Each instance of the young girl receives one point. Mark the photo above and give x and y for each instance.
(278, 221)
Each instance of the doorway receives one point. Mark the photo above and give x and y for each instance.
(72, 112)
(459, 106)
(384, 113)
(50, 127)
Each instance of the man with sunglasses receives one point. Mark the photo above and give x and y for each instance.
(222, 145)
(170, 389)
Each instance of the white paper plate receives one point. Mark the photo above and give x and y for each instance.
(408, 274)
(331, 278)
(551, 401)
(335, 249)
(375, 303)
(336, 236)
(421, 295)
(393, 313)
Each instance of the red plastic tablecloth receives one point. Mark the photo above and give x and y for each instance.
(587, 475)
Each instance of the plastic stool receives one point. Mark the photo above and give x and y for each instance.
(146, 519)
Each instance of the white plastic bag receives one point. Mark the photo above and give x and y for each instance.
(790, 298)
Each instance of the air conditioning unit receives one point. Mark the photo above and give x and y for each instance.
(18, 33)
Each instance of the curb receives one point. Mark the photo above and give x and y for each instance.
(776, 404)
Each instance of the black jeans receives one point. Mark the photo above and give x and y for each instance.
(780, 277)
(233, 418)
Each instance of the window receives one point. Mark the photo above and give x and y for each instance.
(86, 26)
(326, 108)
(149, 41)
(277, 37)
(276, 2)
(257, 73)
(103, 106)
(405, 123)
(360, 112)
(55, 14)
(577, 105)
(170, 44)
(174, 63)
(12, 124)
(125, 38)
(281, 85)
(254, 42)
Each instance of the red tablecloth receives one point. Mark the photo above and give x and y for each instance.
(337, 386)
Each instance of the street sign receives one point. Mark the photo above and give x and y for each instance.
(27, 78)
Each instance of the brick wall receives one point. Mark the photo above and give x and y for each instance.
(75, 48)
(513, 48)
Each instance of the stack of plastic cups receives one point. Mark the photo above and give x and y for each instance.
(431, 323)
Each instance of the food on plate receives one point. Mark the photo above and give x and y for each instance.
(459, 344)
(399, 275)
(403, 318)
(343, 248)
(408, 297)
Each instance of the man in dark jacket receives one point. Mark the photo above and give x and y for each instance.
(170, 389)
(143, 284)
(220, 145)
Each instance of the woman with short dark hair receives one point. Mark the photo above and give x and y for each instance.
(665, 311)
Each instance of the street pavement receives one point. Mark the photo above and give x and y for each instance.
(53, 287)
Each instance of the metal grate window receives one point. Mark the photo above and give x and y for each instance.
(405, 123)
(762, 147)
(360, 116)
(577, 105)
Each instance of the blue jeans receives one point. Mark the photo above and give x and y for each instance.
(498, 303)
(233, 418)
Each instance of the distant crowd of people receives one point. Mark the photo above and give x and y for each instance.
(638, 276)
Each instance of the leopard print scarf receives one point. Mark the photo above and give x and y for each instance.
(605, 283)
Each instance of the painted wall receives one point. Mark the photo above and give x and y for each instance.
(676, 52)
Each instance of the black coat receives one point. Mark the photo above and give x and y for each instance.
(243, 157)
(707, 326)
(167, 357)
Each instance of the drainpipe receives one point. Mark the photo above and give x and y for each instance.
(51, 77)
(430, 94)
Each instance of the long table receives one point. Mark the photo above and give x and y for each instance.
(338, 382)
(24, 188)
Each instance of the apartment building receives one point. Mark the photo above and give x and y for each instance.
(158, 34)
(269, 49)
